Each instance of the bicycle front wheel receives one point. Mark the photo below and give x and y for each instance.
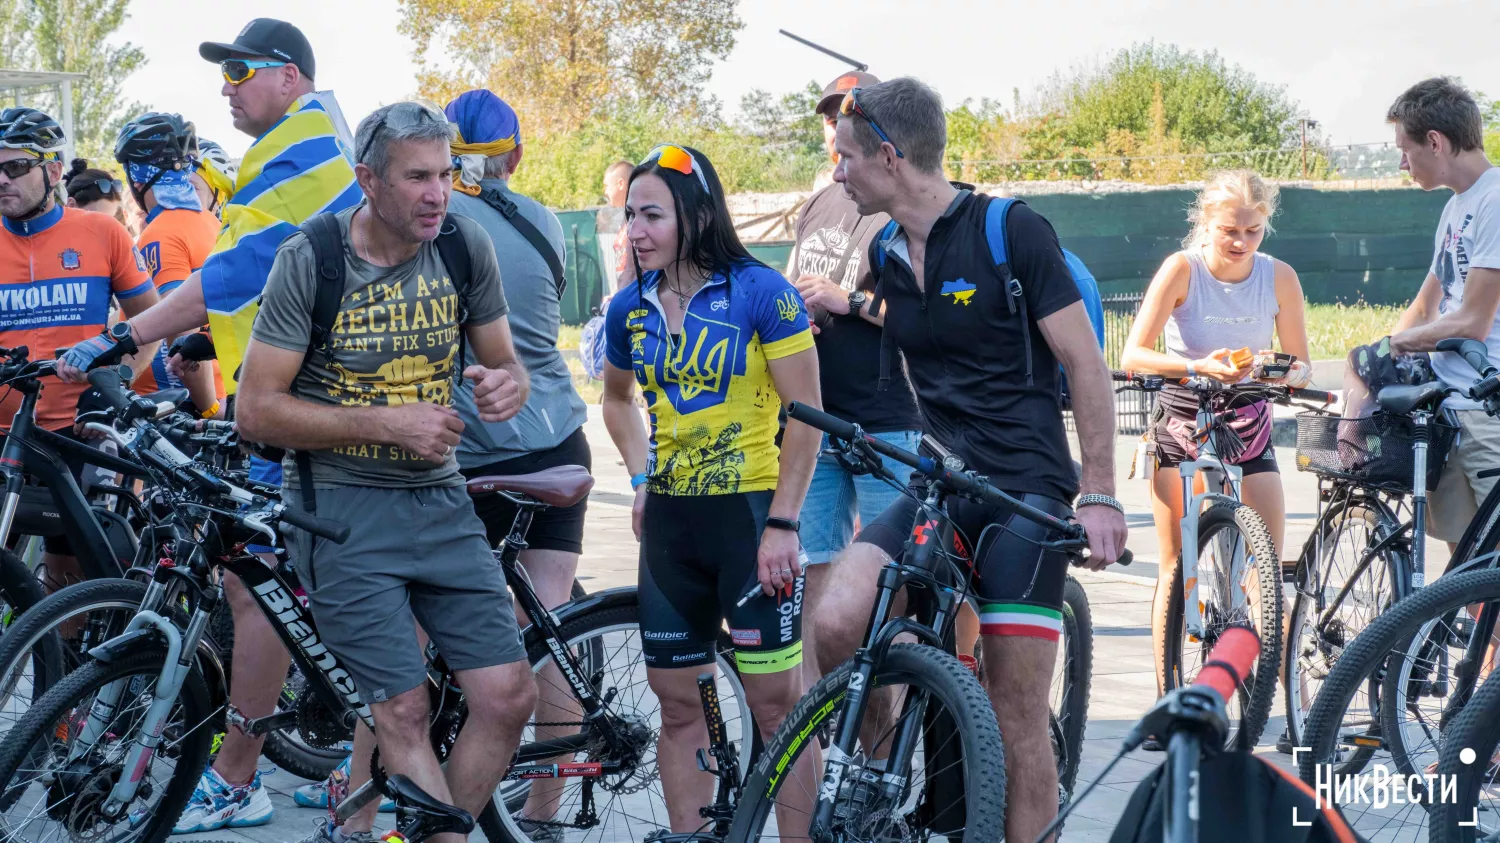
(1231, 538)
(955, 787)
(1469, 756)
(1070, 685)
(56, 792)
(1341, 588)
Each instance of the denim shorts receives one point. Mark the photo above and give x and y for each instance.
(836, 496)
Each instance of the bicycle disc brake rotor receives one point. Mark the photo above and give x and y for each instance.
(884, 826)
(636, 772)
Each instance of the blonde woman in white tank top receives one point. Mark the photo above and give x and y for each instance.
(1230, 220)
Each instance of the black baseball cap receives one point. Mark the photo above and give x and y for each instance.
(833, 92)
(274, 39)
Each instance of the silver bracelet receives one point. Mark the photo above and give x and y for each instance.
(1100, 500)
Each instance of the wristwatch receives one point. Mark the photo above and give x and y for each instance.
(857, 302)
(120, 333)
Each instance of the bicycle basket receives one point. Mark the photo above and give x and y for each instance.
(1375, 450)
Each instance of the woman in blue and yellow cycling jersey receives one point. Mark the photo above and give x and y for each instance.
(718, 342)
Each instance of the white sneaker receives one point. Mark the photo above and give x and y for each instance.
(323, 833)
(315, 795)
(217, 804)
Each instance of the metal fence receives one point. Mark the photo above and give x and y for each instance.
(1132, 408)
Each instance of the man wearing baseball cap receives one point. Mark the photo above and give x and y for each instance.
(305, 166)
(828, 268)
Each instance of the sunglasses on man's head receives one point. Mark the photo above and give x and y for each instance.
(19, 167)
(850, 105)
(402, 115)
(239, 71)
(676, 158)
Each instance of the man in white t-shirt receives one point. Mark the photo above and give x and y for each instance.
(1441, 137)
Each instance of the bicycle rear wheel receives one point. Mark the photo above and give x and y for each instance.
(627, 804)
(50, 799)
(956, 787)
(1230, 533)
(1338, 595)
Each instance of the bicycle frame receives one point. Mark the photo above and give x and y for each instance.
(929, 533)
(1216, 474)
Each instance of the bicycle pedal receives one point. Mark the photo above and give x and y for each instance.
(970, 662)
(703, 761)
(1367, 741)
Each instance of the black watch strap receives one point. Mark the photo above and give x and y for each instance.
(787, 524)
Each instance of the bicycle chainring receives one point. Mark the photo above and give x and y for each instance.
(319, 725)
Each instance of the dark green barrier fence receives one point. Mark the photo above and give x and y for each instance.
(1346, 245)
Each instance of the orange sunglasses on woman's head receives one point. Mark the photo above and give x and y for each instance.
(676, 158)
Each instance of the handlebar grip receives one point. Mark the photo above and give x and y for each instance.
(1314, 395)
(335, 531)
(1126, 557)
(831, 425)
(1474, 352)
(1120, 377)
(110, 383)
(1230, 661)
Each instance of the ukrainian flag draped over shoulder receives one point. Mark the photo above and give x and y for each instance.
(302, 167)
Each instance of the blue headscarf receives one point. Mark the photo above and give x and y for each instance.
(487, 126)
(173, 188)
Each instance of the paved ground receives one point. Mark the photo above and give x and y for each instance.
(1123, 686)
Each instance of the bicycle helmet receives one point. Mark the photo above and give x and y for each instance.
(163, 141)
(211, 153)
(213, 165)
(27, 128)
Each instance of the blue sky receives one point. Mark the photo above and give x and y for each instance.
(1344, 61)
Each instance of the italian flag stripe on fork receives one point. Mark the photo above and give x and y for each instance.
(1020, 619)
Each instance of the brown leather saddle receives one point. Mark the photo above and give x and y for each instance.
(563, 485)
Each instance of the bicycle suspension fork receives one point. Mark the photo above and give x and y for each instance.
(1422, 434)
(12, 459)
(926, 534)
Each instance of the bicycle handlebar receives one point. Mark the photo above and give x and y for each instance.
(1230, 661)
(1208, 386)
(960, 481)
(335, 531)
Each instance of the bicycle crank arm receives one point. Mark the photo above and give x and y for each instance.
(257, 726)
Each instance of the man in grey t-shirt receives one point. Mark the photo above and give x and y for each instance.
(374, 411)
(548, 432)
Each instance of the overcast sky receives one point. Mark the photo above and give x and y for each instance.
(1343, 61)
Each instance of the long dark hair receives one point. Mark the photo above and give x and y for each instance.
(706, 237)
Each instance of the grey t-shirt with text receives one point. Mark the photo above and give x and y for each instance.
(395, 341)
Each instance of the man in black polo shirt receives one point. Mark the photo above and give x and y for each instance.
(986, 378)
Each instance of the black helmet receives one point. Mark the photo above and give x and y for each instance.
(27, 128)
(165, 141)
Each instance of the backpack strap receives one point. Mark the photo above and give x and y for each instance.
(512, 214)
(328, 255)
(454, 250)
(1015, 298)
(887, 345)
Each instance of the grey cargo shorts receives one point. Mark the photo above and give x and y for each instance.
(413, 556)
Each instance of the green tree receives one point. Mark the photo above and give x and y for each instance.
(1206, 104)
(74, 36)
(786, 122)
(565, 64)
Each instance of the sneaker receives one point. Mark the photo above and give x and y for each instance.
(217, 804)
(323, 832)
(315, 795)
(1284, 743)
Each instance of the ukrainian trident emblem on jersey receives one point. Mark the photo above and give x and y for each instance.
(695, 372)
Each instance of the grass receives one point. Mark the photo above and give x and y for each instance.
(1333, 329)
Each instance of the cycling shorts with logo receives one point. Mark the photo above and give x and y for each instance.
(1018, 583)
(698, 558)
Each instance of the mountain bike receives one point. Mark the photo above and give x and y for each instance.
(913, 748)
(1229, 572)
(128, 727)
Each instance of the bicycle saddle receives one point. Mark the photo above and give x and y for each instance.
(436, 817)
(563, 485)
(1402, 399)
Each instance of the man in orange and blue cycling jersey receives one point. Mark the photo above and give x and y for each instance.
(58, 269)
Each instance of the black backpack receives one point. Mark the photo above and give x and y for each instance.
(1239, 791)
(328, 251)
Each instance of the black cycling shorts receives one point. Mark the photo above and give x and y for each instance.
(698, 558)
(1018, 583)
(553, 528)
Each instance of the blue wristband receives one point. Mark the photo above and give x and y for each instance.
(637, 481)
